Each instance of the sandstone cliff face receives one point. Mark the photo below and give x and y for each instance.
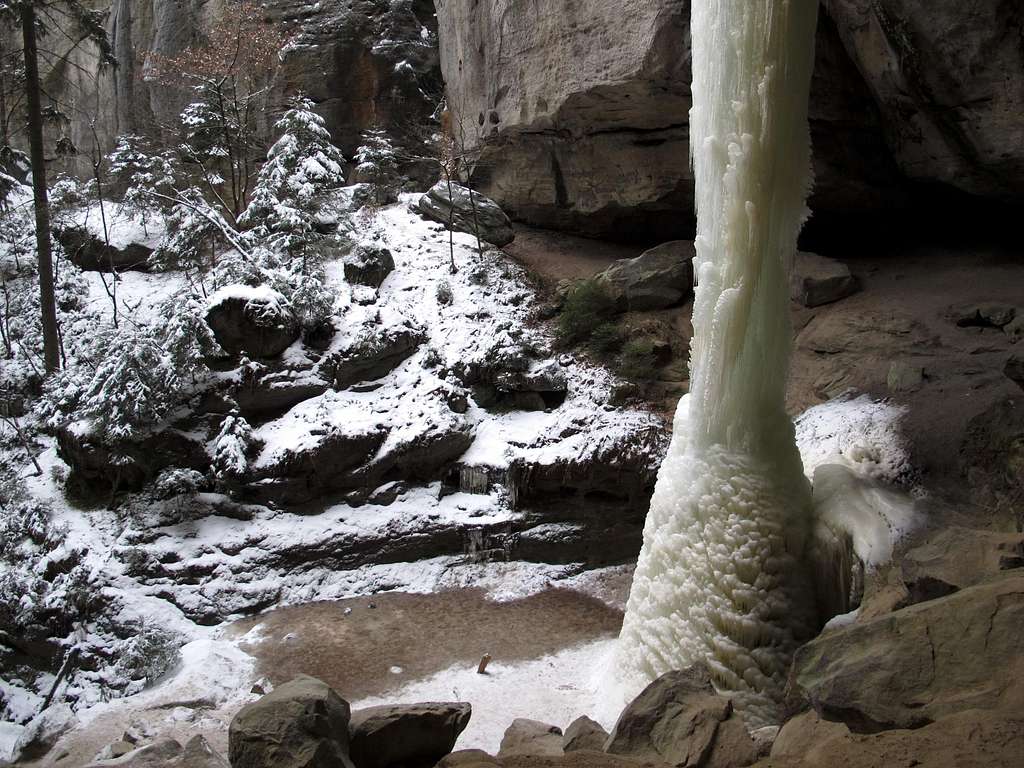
(364, 62)
(581, 108)
(948, 78)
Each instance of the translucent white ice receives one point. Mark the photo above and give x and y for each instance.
(721, 576)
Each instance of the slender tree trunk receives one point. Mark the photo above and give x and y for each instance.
(47, 302)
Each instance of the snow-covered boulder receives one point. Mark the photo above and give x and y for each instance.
(301, 724)
(89, 250)
(406, 734)
(368, 265)
(255, 321)
(12, 736)
(656, 279)
(467, 211)
(45, 729)
(126, 466)
(375, 351)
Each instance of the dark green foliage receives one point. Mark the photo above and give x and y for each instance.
(587, 307)
(606, 339)
(638, 359)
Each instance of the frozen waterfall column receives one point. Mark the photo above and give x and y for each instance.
(721, 577)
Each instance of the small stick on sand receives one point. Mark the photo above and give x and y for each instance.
(482, 669)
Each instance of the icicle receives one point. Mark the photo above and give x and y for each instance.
(721, 576)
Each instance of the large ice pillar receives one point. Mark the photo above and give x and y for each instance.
(721, 577)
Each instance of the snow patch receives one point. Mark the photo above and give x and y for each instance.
(554, 689)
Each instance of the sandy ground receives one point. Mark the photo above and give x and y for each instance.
(554, 256)
(369, 651)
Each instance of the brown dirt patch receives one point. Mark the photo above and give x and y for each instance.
(422, 634)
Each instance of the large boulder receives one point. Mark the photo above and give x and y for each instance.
(372, 354)
(679, 719)
(817, 280)
(656, 279)
(91, 252)
(916, 665)
(255, 321)
(100, 465)
(406, 734)
(45, 729)
(466, 210)
(368, 265)
(974, 738)
(531, 737)
(301, 724)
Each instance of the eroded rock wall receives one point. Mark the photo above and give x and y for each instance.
(364, 63)
(581, 108)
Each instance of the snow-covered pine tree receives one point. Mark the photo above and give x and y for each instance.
(148, 178)
(377, 165)
(194, 228)
(303, 168)
(186, 338)
(292, 192)
(232, 447)
(121, 381)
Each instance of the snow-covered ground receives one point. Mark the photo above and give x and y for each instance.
(554, 689)
(211, 559)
